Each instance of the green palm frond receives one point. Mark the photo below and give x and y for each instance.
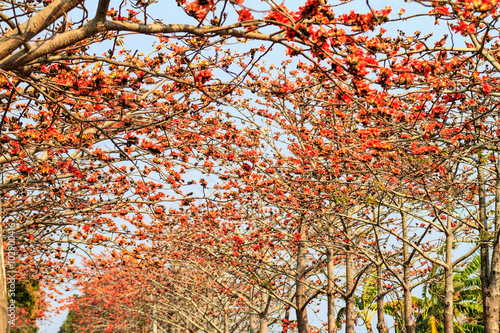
(340, 317)
(474, 282)
(370, 290)
(472, 328)
(470, 269)
(458, 328)
(418, 302)
(470, 295)
(425, 291)
(470, 310)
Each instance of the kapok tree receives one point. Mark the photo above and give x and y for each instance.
(297, 167)
(393, 125)
(193, 287)
(237, 257)
(56, 134)
(73, 120)
(439, 119)
(447, 137)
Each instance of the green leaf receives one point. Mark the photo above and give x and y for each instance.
(340, 317)
(472, 328)
(370, 290)
(359, 303)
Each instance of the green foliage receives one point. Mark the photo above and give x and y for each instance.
(67, 326)
(364, 306)
(26, 299)
(467, 327)
(369, 291)
(468, 310)
(26, 296)
(340, 317)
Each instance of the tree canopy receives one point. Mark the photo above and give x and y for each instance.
(210, 187)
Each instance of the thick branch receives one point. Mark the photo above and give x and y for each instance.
(59, 42)
(29, 29)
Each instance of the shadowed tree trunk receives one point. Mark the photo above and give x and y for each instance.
(349, 276)
(332, 326)
(408, 305)
(381, 326)
(349, 300)
(263, 315)
(490, 270)
(252, 317)
(448, 280)
(253, 324)
(301, 297)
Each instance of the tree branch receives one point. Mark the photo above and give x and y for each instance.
(29, 29)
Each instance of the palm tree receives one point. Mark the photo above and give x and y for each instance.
(468, 307)
(430, 307)
(364, 306)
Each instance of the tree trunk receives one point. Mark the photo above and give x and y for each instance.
(263, 313)
(408, 304)
(263, 324)
(332, 326)
(301, 297)
(490, 308)
(490, 271)
(4, 302)
(381, 326)
(349, 300)
(252, 328)
(253, 324)
(448, 280)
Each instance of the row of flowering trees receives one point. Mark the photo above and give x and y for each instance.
(326, 191)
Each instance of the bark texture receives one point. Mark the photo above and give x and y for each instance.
(490, 267)
(381, 326)
(349, 300)
(448, 281)
(332, 326)
(263, 315)
(408, 306)
(301, 297)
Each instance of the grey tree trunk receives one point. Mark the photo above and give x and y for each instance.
(349, 300)
(490, 270)
(381, 326)
(408, 306)
(155, 324)
(263, 314)
(253, 324)
(448, 280)
(301, 297)
(252, 317)
(332, 326)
